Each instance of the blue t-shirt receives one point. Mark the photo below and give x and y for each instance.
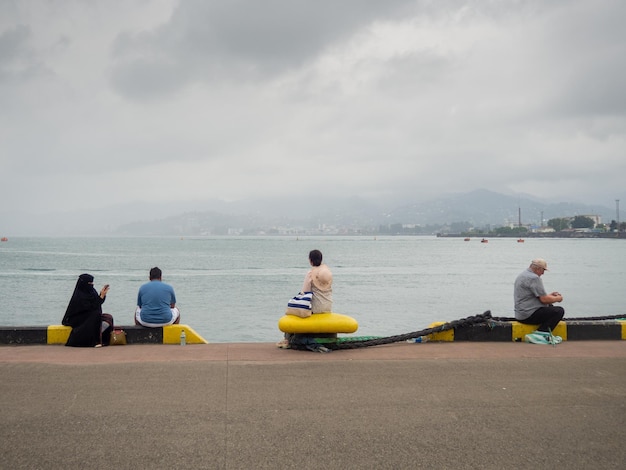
(155, 299)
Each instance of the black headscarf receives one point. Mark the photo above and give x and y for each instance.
(85, 284)
(84, 314)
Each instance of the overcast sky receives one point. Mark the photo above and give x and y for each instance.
(107, 102)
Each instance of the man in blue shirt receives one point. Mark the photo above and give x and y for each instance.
(156, 303)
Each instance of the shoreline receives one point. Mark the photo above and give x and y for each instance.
(476, 329)
(564, 235)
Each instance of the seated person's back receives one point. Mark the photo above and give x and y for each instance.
(156, 302)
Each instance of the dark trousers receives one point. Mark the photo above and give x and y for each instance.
(547, 318)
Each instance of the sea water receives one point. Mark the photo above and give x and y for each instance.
(234, 289)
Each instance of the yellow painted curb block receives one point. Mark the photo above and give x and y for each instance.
(623, 322)
(58, 334)
(442, 335)
(171, 335)
(520, 330)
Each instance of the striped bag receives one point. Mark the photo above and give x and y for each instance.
(300, 305)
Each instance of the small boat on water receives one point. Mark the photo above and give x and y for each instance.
(4, 239)
(466, 239)
(484, 240)
(520, 240)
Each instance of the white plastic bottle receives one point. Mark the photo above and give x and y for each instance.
(183, 338)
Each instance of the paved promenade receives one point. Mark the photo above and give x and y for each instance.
(459, 405)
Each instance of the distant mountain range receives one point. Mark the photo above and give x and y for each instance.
(479, 209)
(482, 207)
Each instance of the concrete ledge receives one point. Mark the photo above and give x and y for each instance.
(23, 335)
(515, 331)
(494, 331)
(58, 334)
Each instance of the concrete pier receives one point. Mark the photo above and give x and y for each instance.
(461, 405)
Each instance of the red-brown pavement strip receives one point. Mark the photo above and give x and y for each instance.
(268, 352)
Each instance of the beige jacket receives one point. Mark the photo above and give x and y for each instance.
(319, 280)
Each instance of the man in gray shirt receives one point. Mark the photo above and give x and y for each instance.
(533, 305)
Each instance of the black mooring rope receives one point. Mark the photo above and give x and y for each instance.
(485, 318)
(476, 319)
(606, 317)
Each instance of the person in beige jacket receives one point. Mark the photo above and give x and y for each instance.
(319, 280)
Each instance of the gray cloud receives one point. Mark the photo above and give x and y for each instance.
(12, 43)
(582, 46)
(17, 60)
(193, 100)
(247, 40)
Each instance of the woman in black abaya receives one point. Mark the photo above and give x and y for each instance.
(90, 327)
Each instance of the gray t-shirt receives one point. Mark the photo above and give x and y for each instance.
(526, 292)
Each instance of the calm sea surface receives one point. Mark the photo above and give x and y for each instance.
(234, 289)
